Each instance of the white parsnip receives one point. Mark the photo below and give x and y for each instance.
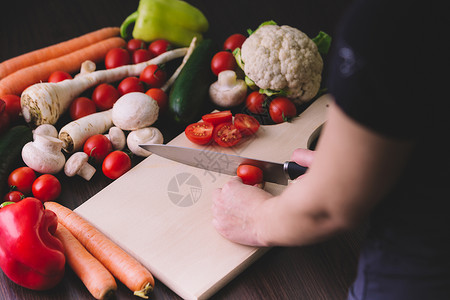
(75, 133)
(44, 103)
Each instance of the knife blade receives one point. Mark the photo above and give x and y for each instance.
(223, 163)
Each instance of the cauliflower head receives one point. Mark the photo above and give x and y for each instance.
(282, 58)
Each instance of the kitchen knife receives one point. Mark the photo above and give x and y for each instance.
(226, 163)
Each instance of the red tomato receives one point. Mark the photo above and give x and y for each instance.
(199, 133)
(13, 196)
(226, 135)
(130, 84)
(104, 96)
(58, 76)
(154, 76)
(141, 55)
(246, 124)
(80, 107)
(12, 106)
(159, 96)
(281, 109)
(221, 61)
(234, 41)
(98, 147)
(2, 106)
(255, 102)
(159, 46)
(250, 174)
(135, 44)
(116, 164)
(22, 179)
(117, 57)
(216, 118)
(46, 188)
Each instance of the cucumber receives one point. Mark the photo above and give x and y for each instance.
(189, 93)
(11, 144)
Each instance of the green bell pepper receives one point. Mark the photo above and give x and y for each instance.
(173, 20)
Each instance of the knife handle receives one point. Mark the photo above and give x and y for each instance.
(293, 170)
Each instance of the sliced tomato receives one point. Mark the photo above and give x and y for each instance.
(246, 124)
(199, 133)
(250, 174)
(226, 135)
(216, 118)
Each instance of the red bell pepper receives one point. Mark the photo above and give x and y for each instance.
(30, 254)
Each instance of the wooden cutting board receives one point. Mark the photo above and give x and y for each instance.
(160, 211)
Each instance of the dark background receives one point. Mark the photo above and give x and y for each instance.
(322, 271)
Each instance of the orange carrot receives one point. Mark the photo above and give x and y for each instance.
(70, 63)
(97, 279)
(53, 51)
(124, 267)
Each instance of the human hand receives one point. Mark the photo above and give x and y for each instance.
(303, 157)
(235, 211)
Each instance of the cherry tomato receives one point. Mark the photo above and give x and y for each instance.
(80, 107)
(226, 135)
(46, 188)
(250, 174)
(2, 106)
(135, 44)
(221, 61)
(216, 118)
(199, 133)
(130, 84)
(117, 57)
(22, 179)
(58, 76)
(12, 106)
(104, 96)
(234, 41)
(281, 109)
(116, 164)
(13, 196)
(159, 46)
(98, 147)
(255, 102)
(153, 75)
(246, 124)
(159, 96)
(141, 55)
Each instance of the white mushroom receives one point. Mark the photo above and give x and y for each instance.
(134, 111)
(117, 138)
(77, 164)
(228, 91)
(44, 154)
(148, 135)
(46, 129)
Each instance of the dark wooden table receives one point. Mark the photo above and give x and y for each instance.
(322, 271)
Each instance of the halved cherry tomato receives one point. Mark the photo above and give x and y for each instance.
(153, 75)
(221, 61)
(255, 102)
(226, 135)
(282, 109)
(46, 188)
(81, 107)
(250, 175)
(22, 179)
(116, 164)
(234, 41)
(58, 76)
(159, 96)
(216, 118)
(199, 133)
(13, 196)
(246, 124)
(98, 147)
(159, 46)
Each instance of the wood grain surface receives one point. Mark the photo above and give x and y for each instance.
(322, 271)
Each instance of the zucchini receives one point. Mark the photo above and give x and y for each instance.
(189, 93)
(11, 144)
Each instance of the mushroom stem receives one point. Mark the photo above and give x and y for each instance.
(86, 171)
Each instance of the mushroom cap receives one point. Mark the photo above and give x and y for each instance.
(75, 163)
(134, 111)
(148, 135)
(117, 138)
(46, 129)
